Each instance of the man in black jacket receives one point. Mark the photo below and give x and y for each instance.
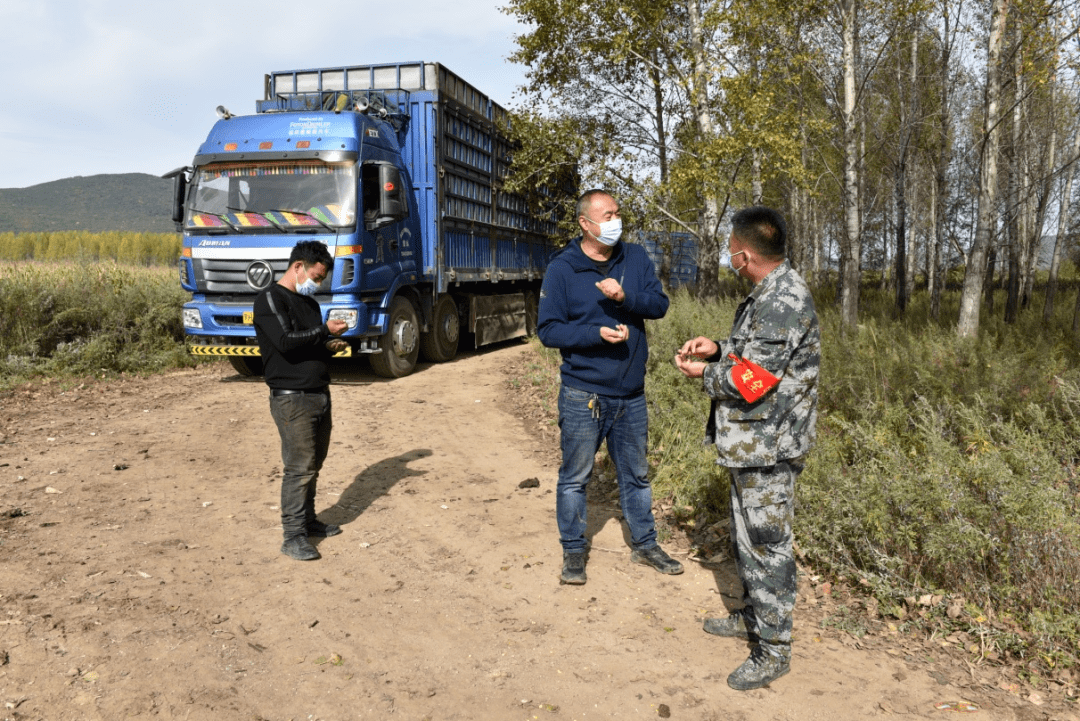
(295, 345)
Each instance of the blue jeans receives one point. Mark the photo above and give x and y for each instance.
(624, 424)
(303, 421)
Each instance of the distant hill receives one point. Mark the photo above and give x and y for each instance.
(97, 203)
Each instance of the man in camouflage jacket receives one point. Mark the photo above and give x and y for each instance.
(763, 422)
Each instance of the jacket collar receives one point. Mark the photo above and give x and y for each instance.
(771, 279)
(577, 259)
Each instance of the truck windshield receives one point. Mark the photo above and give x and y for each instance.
(272, 196)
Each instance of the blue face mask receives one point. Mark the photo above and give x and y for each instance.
(610, 231)
(308, 287)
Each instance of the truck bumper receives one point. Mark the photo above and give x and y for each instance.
(200, 349)
(235, 321)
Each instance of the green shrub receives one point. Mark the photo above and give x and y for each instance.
(67, 319)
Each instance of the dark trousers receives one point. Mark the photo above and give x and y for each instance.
(762, 510)
(303, 421)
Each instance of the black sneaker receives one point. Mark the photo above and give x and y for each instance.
(300, 548)
(573, 568)
(322, 530)
(734, 626)
(761, 669)
(659, 560)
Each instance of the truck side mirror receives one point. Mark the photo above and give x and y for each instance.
(179, 191)
(180, 182)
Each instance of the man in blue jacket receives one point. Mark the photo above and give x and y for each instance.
(596, 296)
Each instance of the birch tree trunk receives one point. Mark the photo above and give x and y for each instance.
(933, 255)
(913, 113)
(941, 167)
(1018, 197)
(709, 252)
(851, 252)
(968, 324)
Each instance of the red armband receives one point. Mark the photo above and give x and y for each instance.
(751, 380)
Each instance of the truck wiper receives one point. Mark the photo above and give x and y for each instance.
(249, 211)
(305, 214)
(219, 216)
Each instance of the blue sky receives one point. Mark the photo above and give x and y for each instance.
(125, 86)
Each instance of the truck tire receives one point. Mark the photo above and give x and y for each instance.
(246, 365)
(400, 345)
(441, 344)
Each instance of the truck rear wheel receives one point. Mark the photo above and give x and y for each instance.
(246, 365)
(400, 345)
(441, 344)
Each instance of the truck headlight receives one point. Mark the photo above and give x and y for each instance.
(349, 315)
(192, 318)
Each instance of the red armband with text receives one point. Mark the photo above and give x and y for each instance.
(750, 379)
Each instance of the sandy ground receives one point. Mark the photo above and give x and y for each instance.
(140, 574)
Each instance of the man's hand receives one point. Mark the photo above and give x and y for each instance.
(701, 347)
(336, 327)
(611, 288)
(336, 345)
(689, 367)
(618, 334)
(688, 359)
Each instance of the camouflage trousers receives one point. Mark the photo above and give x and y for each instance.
(762, 510)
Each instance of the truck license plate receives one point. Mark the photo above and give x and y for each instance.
(249, 317)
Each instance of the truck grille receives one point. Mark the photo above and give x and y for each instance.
(231, 276)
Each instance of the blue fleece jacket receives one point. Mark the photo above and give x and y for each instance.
(572, 311)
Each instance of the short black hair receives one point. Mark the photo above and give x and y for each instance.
(312, 252)
(763, 229)
(585, 201)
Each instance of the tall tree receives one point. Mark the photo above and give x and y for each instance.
(968, 324)
(851, 253)
(946, 41)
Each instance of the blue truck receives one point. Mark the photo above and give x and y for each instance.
(399, 169)
(674, 250)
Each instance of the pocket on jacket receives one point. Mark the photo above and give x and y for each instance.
(751, 412)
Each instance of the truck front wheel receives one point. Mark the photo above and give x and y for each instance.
(400, 344)
(246, 365)
(441, 344)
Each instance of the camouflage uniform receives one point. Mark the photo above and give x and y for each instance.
(763, 443)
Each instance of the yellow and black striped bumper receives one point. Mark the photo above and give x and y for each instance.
(243, 350)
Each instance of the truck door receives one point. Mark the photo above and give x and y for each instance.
(384, 197)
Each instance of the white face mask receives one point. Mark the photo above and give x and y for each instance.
(308, 287)
(725, 262)
(610, 231)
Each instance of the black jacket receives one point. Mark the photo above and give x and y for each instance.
(292, 340)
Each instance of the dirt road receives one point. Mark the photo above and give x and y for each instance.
(140, 575)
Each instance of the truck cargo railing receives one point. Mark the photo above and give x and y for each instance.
(377, 102)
